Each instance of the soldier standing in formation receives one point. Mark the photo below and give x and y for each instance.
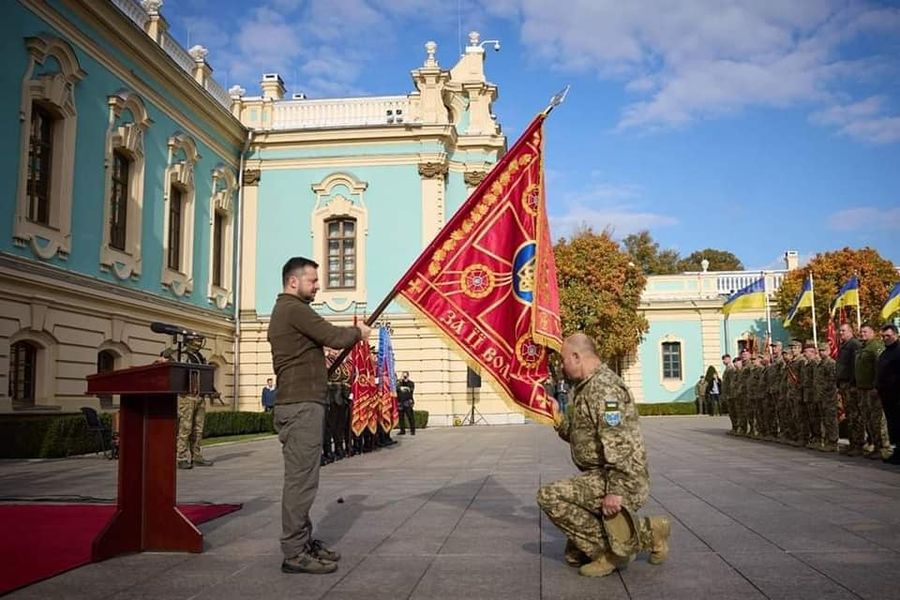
(727, 383)
(870, 406)
(845, 375)
(608, 449)
(811, 411)
(825, 431)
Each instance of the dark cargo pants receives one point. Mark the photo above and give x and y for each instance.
(299, 428)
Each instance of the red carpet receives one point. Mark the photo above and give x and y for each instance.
(42, 540)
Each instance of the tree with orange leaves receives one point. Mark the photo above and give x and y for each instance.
(831, 270)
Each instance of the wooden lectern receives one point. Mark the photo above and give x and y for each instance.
(147, 518)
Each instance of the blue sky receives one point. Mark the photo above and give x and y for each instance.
(754, 127)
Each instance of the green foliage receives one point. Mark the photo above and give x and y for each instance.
(222, 423)
(600, 292)
(47, 436)
(420, 417)
(830, 271)
(648, 257)
(667, 408)
(653, 261)
(719, 260)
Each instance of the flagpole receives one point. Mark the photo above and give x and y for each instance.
(812, 293)
(858, 303)
(768, 314)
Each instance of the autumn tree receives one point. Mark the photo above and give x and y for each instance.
(830, 272)
(600, 292)
(719, 260)
(648, 257)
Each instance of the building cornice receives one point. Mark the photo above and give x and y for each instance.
(59, 282)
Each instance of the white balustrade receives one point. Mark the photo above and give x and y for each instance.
(133, 10)
(340, 112)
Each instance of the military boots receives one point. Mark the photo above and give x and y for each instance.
(660, 528)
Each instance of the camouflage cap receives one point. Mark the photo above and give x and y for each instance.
(808, 344)
(824, 346)
(795, 344)
(622, 533)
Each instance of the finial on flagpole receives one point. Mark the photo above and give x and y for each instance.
(556, 100)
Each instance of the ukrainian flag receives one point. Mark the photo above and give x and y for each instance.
(804, 299)
(848, 295)
(893, 303)
(748, 298)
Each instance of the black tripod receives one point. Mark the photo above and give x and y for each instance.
(470, 418)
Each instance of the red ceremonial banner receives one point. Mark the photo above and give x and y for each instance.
(488, 280)
(365, 412)
(833, 344)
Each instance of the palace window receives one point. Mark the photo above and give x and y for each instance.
(340, 235)
(218, 248)
(47, 148)
(22, 373)
(118, 219)
(178, 268)
(123, 201)
(40, 153)
(671, 360)
(106, 362)
(176, 208)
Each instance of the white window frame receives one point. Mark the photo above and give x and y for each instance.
(332, 204)
(224, 191)
(56, 92)
(180, 172)
(127, 138)
(671, 384)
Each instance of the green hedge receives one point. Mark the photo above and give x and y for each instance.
(47, 436)
(236, 423)
(420, 417)
(667, 408)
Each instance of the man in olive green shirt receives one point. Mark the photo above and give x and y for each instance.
(870, 405)
(298, 336)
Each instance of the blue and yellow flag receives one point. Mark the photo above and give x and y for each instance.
(893, 303)
(803, 300)
(847, 295)
(751, 297)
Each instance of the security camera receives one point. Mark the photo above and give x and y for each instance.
(496, 46)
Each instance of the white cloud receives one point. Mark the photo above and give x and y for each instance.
(692, 59)
(864, 120)
(865, 218)
(606, 205)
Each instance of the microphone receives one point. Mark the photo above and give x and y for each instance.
(157, 327)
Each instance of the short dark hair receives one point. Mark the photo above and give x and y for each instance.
(889, 327)
(726, 355)
(295, 264)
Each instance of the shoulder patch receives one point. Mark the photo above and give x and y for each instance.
(612, 416)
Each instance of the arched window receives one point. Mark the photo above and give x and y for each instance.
(106, 362)
(340, 240)
(124, 194)
(22, 373)
(47, 147)
(178, 267)
(221, 221)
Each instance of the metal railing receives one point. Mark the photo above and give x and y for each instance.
(340, 112)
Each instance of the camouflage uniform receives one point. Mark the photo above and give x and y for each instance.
(794, 397)
(809, 412)
(757, 401)
(725, 397)
(607, 447)
(740, 397)
(870, 405)
(191, 417)
(826, 400)
(773, 399)
(191, 411)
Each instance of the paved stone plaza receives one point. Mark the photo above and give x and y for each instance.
(451, 514)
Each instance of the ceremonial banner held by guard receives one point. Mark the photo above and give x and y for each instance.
(488, 280)
(389, 413)
(365, 392)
